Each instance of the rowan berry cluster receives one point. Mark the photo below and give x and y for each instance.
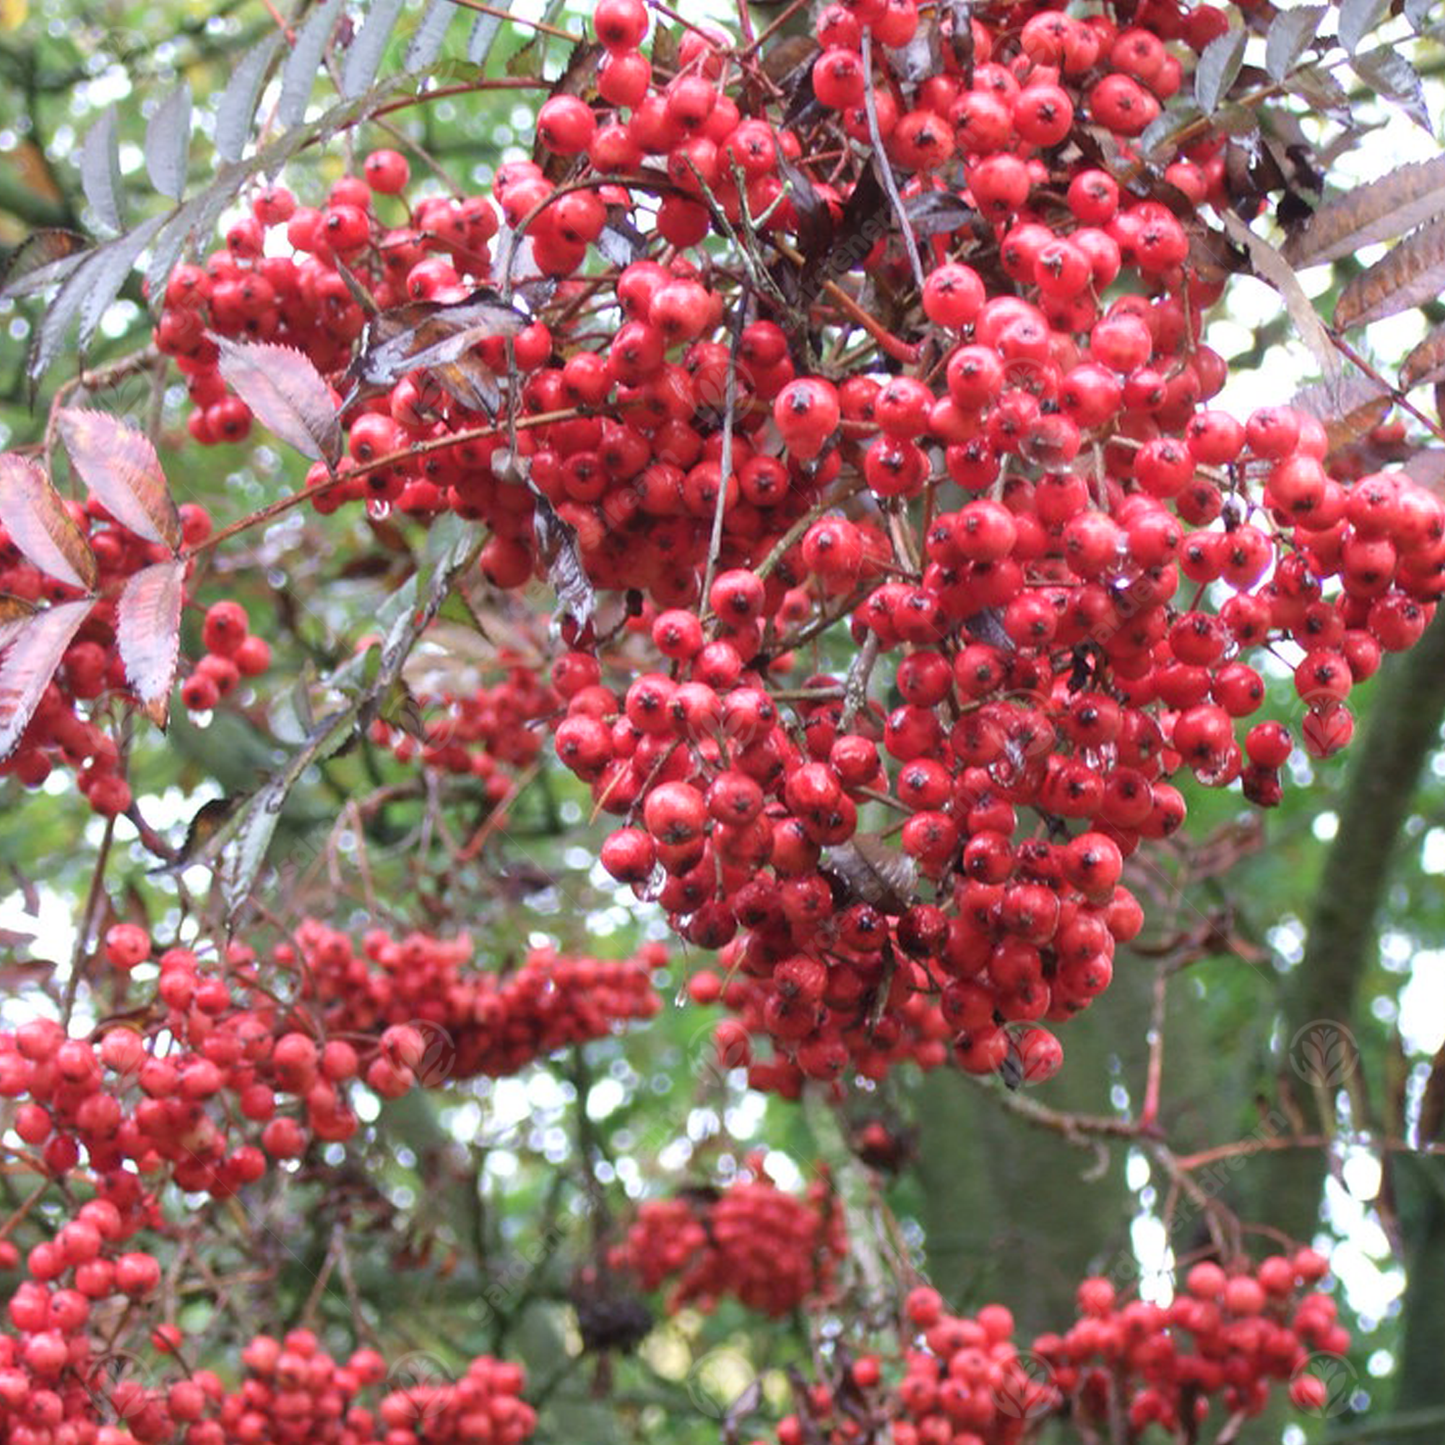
(59, 1384)
(218, 1077)
(1228, 1339)
(750, 1241)
(489, 1023)
(1015, 494)
(485, 734)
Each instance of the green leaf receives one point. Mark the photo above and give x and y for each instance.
(100, 171)
(1219, 65)
(527, 62)
(1289, 37)
(298, 75)
(363, 58)
(237, 109)
(168, 138)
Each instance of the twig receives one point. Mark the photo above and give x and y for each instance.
(725, 461)
(881, 163)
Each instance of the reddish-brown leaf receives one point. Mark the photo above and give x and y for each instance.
(1408, 275)
(33, 650)
(148, 628)
(13, 611)
(121, 468)
(1347, 411)
(287, 394)
(32, 511)
(1378, 211)
(1426, 362)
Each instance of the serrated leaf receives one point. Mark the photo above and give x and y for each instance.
(938, 213)
(86, 291)
(1411, 273)
(148, 631)
(1426, 362)
(921, 57)
(43, 258)
(242, 844)
(484, 35)
(1219, 64)
(427, 38)
(1417, 12)
(427, 334)
(562, 556)
(14, 611)
(121, 468)
(1321, 91)
(1270, 266)
(286, 392)
(237, 109)
(33, 651)
(1290, 33)
(168, 139)
(110, 275)
(1377, 211)
(880, 875)
(304, 63)
(32, 512)
(620, 242)
(1347, 411)
(527, 61)
(1357, 19)
(1397, 80)
(363, 57)
(1158, 138)
(100, 171)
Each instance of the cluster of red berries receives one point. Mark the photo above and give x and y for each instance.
(486, 734)
(232, 652)
(469, 1022)
(750, 1241)
(1229, 1335)
(91, 669)
(1065, 558)
(216, 1053)
(58, 1385)
(1223, 1344)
